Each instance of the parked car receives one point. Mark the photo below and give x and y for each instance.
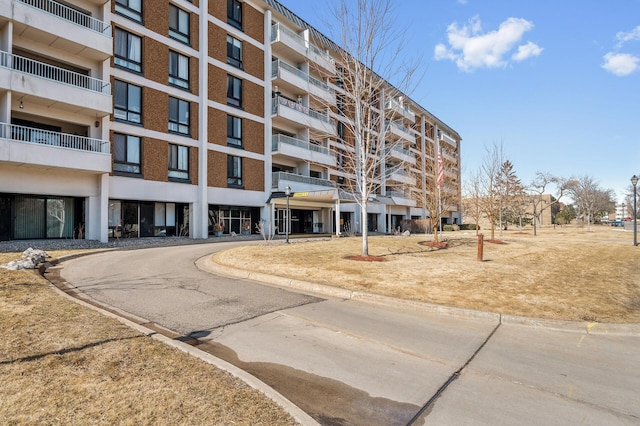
(617, 223)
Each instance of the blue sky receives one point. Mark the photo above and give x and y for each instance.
(556, 82)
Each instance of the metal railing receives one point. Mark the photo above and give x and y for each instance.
(71, 15)
(45, 137)
(276, 177)
(400, 194)
(280, 101)
(400, 151)
(277, 29)
(278, 139)
(53, 73)
(393, 124)
(279, 64)
(391, 103)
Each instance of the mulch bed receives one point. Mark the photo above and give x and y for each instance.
(434, 244)
(367, 258)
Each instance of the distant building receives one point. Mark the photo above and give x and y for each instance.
(546, 208)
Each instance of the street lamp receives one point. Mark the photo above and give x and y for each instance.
(287, 192)
(634, 182)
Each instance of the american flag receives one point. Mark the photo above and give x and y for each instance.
(440, 169)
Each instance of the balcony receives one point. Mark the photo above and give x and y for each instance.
(36, 147)
(299, 183)
(448, 139)
(50, 85)
(401, 132)
(302, 150)
(299, 115)
(402, 198)
(287, 43)
(286, 75)
(401, 154)
(398, 109)
(56, 25)
(396, 174)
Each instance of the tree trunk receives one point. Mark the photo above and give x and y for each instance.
(365, 230)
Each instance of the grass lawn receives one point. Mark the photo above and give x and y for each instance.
(62, 363)
(565, 273)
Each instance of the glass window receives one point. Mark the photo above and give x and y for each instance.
(234, 131)
(234, 171)
(127, 100)
(178, 161)
(234, 13)
(234, 91)
(128, 50)
(132, 9)
(126, 153)
(179, 24)
(178, 70)
(234, 52)
(178, 115)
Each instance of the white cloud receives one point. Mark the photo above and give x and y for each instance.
(526, 51)
(632, 35)
(470, 47)
(620, 64)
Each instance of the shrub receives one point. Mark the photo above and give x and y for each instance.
(450, 228)
(468, 227)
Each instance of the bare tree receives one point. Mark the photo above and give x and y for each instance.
(538, 188)
(472, 201)
(629, 201)
(440, 191)
(589, 197)
(490, 181)
(369, 57)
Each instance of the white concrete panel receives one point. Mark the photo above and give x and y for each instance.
(44, 181)
(21, 153)
(123, 188)
(236, 197)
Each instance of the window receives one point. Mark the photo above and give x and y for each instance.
(178, 116)
(178, 162)
(178, 70)
(127, 102)
(234, 91)
(234, 171)
(179, 24)
(234, 13)
(234, 52)
(341, 131)
(126, 153)
(128, 50)
(234, 131)
(132, 9)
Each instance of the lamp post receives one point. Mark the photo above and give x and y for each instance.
(287, 192)
(634, 182)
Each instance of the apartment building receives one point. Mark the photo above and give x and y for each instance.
(133, 118)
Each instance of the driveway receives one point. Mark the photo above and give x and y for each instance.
(349, 362)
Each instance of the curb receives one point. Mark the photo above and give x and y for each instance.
(298, 414)
(208, 264)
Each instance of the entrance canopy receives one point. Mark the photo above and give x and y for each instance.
(318, 199)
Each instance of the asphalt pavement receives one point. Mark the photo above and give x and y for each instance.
(346, 361)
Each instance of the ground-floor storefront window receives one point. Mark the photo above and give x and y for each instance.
(38, 217)
(233, 219)
(134, 219)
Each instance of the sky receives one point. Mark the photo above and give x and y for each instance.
(557, 83)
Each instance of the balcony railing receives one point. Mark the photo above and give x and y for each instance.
(70, 15)
(276, 177)
(53, 73)
(280, 64)
(280, 101)
(45, 137)
(394, 125)
(400, 151)
(394, 104)
(276, 29)
(278, 139)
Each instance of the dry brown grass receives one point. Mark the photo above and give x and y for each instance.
(564, 273)
(62, 363)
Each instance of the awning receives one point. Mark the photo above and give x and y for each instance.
(319, 199)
